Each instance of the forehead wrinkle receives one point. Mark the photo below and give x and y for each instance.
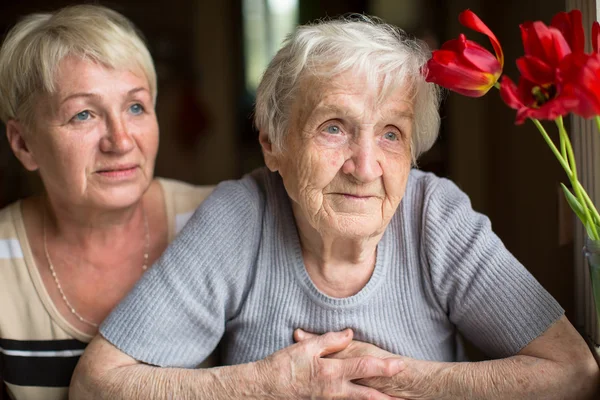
(351, 105)
(394, 113)
(347, 96)
(335, 109)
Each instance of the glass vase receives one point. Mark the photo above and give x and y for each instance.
(592, 254)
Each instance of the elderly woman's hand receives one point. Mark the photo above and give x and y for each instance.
(398, 385)
(303, 371)
(356, 348)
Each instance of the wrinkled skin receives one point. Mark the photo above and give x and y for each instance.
(345, 165)
(556, 365)
(347, 157)
(95, 140)
(299, 371)
(359, 349)
(304, 372)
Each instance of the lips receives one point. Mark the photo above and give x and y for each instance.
(116, 168)
(355, 195)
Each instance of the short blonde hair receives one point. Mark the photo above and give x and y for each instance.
(376, 51)
(34, 48)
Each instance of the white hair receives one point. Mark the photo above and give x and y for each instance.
(381, 53)
(35, 46)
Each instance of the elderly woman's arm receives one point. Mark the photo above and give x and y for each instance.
(556, 365)
(296, 372)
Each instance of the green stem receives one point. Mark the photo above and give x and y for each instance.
(577, 187)
(497, 85)
(561, 160)
(597, 118)
(563, 147)
(564, 138)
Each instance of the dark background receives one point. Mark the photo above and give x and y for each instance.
(207, 136)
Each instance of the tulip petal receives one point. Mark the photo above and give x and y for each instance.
(521, 98)
(551, 110)
(525, 90)
(455, 45)
(446, 69)
(451, 75)
(545, 43)
(595, 36)
(474, 54)
(532, 40)
(571, 26)
(535, 70)
(482, 59)
(560, 45)
(509, 93)
(469, 19)
(580, 74)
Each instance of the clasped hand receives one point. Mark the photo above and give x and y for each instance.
(331, 366)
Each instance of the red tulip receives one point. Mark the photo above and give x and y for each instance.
(541, 93)
(571, 26)
(580, 74)
(464, 66)
(534, 101)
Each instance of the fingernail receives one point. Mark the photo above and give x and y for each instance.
(400, 364)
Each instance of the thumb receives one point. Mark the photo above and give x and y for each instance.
(331, 342)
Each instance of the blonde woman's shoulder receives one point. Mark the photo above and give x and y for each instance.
(182, 199)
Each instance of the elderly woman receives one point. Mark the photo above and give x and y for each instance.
(339, 232)
(77, 94)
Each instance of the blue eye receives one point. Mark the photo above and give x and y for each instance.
(390, 136)
(333, 129)
(136, 109)
(82, 116)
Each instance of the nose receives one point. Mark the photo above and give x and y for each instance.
(364, 163)
(118, 138)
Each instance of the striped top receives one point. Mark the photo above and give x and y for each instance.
(38, 347)
(236, 273)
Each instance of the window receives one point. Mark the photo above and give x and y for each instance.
(266, 24)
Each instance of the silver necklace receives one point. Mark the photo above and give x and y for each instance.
(55, 276)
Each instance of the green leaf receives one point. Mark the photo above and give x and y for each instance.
(574, 203)
(578, 209)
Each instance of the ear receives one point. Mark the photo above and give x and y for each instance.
(15, 134)
(267, 147)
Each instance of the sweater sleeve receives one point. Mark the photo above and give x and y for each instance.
(176, 313)
(491, 298)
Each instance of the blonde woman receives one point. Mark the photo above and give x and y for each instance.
(77, 95)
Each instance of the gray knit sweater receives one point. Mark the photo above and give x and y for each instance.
(236, 274)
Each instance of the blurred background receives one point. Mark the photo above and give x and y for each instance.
(210, 55)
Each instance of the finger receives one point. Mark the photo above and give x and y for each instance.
(330, 342)
(363, 392)
(300, 335)
(369, 367)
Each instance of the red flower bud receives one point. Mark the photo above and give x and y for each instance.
(464, 66)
